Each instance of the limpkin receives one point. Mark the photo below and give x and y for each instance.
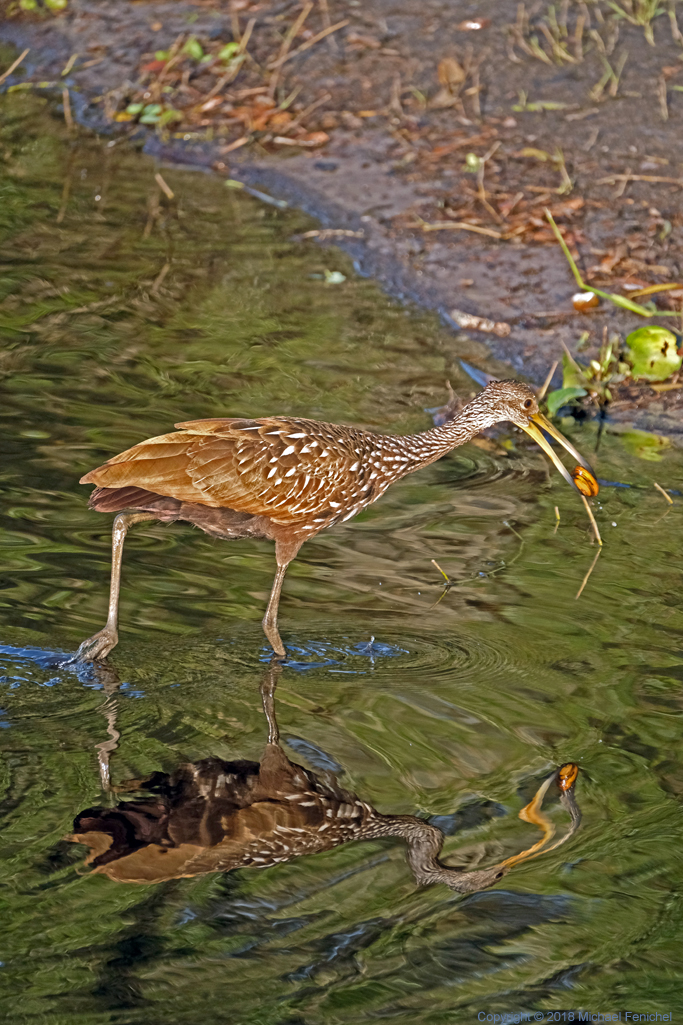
(282, 478)
(217, 816)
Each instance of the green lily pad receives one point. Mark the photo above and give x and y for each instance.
(561, 396)
(653, 353)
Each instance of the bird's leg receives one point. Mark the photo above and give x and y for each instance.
(285, 551)
(100, 644)
(276, 772)
(268, 685)
(108, 677)
(270, 619)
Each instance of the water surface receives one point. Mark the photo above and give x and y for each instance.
(123, 312)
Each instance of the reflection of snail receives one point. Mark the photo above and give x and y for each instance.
(585, 481)
(214, 816)
(566, 776)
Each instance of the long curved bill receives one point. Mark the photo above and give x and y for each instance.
(565, 777)
(533, 429)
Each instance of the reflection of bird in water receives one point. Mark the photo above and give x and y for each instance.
(281, 478)
(214, 816)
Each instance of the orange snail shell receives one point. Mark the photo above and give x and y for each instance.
(585, 481)
(566, 776)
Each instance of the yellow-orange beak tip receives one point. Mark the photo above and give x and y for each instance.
(582, 479)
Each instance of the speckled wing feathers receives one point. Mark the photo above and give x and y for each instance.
(284, 468)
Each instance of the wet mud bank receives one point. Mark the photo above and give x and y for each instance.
(430, 144)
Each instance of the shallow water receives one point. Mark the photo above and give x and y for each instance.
(118, 321)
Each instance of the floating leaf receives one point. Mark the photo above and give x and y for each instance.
(334, 277)
(653, 353)
(561, 396)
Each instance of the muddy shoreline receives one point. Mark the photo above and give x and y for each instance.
(377, 176)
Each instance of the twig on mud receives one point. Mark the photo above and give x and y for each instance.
(475, 90)
(455, 226)
(481, 191)
(235, 145)
(470, 321)
(557, 519)
(663, 492)
(16, 64)
(395, 101)
(304, 114)
(661, 96)
(286, 43)
(327, 22)
(308, 44)
(234, 71)
(587, 576)
(639, 178)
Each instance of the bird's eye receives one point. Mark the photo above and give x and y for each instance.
(528, 403)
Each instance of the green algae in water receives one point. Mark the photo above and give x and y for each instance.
(122, 313)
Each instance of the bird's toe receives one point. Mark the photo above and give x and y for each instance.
(97, 647)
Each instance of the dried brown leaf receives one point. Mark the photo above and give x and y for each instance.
(451, 73)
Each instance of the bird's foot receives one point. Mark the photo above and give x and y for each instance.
(98, 646)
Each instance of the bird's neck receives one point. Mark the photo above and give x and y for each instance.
(430, 445)
(424, 846)
(474, 417)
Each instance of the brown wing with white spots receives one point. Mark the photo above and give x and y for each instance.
(284, 468)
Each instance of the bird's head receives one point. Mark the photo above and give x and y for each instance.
(516, 402)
